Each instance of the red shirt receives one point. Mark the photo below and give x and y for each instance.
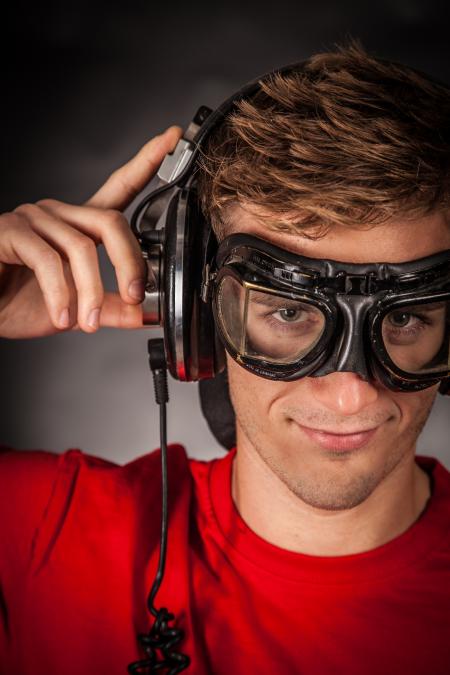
(79, 541)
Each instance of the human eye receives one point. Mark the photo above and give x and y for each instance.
(290, 315)
(287, 316)
(405, 320)
(406, 325)
(281, 328)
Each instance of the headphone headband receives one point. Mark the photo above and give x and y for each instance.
(177, 172)
(206, 120)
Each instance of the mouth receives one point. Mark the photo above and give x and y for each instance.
(339, 442)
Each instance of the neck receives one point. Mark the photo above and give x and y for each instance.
(289, 523)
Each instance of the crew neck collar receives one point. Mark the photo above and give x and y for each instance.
(431, 529)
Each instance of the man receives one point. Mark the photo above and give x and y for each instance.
(321, 545)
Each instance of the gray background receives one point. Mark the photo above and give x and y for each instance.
(85, 84)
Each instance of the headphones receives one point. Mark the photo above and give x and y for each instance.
(179, 245)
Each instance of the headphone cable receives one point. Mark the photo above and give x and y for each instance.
(159, 642)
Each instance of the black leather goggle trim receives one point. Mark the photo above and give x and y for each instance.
(331, 284)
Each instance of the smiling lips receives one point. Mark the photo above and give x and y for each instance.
(339, 442)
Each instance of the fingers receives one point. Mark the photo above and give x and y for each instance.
(118, 314)
(22, 246)
(55, 239)
(111, 228)
(125, 183)
(81, 253)
(49, 267)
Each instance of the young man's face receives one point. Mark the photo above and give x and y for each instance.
(297, 427)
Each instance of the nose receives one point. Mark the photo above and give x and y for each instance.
(344, 393)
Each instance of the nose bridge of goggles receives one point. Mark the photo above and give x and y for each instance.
(349, 353)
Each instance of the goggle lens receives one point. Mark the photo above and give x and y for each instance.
(417, 337)
(267, 326)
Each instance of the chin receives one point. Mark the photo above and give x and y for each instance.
(322, 483)
(333, 479)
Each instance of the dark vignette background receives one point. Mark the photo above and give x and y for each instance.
(84, 85)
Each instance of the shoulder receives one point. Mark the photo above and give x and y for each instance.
(43, 494)
(33, 472)
(26, 480)
(26, 483)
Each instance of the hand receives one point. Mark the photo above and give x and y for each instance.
(49, 270)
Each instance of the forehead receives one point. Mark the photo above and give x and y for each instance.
(397, 240)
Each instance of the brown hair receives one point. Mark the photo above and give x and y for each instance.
(349, 139)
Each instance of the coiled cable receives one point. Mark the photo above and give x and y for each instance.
(158, 644)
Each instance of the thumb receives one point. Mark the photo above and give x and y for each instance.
(115, 313)
(126, 182)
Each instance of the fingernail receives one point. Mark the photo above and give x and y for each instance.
(93, 318)
(136, 289)
(64, 318)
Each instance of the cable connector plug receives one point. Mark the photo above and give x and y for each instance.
(158, 366)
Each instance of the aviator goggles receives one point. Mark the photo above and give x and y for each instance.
(284, 316)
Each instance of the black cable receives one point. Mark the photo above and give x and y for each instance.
(138, 211)
(159, 642)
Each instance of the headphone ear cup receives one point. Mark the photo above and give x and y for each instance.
(192, 351)
(168, 284)
(207, 349)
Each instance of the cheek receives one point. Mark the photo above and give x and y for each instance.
(250, 394)
(414, 407)
(259, 403)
